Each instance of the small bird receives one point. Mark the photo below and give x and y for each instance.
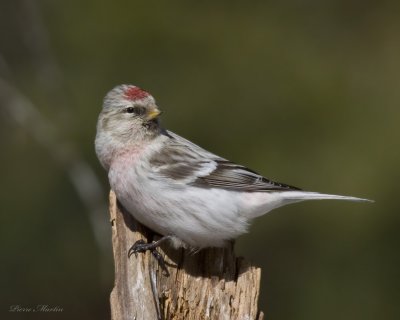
(190, 196)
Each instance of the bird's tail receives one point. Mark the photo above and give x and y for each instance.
(265, 202)
(296, 196)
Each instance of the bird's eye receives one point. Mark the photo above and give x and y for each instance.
(136, 110)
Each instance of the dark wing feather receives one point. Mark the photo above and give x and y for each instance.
(231, 176)
(183, 161)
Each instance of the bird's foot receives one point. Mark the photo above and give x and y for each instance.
(140, 246)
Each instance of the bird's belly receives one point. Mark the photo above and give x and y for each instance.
(197, 216)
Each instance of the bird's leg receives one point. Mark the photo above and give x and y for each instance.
(141, 246)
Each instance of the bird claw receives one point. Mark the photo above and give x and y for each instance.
(140, 246)
(161, 262)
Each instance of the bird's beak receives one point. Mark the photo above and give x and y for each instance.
(153, 113)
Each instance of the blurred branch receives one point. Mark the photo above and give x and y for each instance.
(28, 116)
(36, 39)
(4, 69)
(81, 175)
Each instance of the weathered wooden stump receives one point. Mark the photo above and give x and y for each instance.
(210, 284)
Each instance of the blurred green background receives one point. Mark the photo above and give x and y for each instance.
(304, 92)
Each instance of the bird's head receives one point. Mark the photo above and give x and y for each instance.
(129, 113)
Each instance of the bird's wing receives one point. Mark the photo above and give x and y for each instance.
(229, 175)
(184, 162)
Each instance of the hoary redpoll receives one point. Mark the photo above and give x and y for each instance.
(179, 190)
